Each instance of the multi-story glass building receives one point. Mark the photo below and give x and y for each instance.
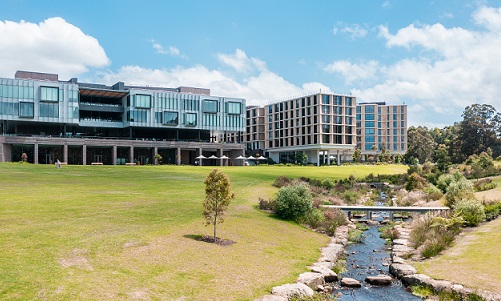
(381, 126)
(82, 123)
(320, 125)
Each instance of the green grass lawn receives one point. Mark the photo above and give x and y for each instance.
(127, 233)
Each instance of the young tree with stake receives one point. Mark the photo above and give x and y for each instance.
(217, 198)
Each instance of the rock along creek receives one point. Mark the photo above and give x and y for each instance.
(371, 258)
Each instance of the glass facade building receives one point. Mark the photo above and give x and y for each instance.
(39, 107)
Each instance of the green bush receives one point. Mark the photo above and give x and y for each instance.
(492, 210)
(433, 233)
(328, 184)
(314, 218)
(484, 184)
(471, 211)
(432, 192)
(457, 190)
(350, 197)
(415, 181)
(293, 202)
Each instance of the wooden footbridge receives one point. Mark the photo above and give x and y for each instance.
(390, 209)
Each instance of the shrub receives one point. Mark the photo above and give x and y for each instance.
(484, 184)
(458, 190)
(415, 181)
(492, 209)
(282, 181)
(433, 233)
(333, 219)
(293, 202)
(328, 184)
(471, 211)
(432, 192)
(314, 218)
(388, 232)
(267, 204)
(355, 235)
(350, 197)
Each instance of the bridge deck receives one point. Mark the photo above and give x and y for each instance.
(387, 208)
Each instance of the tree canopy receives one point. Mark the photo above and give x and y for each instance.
(217, 198)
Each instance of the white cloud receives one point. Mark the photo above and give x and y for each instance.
(386, 4)
(258, 86)
(171, 50)
(354, 31)
(446, 69)
(240, 62)
(53, 46)
(354, 72)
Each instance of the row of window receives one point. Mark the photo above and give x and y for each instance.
(27, 109)
(209, 105)
(13, 91)
(370, 109)
(307, 102)
(372, 124)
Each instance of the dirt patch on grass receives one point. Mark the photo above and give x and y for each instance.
(210, 239)
(76, 259)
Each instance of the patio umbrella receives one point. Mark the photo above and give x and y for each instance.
(262, 158)
(240, 157)
(251, 158)
(200, 158)
(223, 157)
(213, 157)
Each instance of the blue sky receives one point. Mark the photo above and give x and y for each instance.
(435, 56)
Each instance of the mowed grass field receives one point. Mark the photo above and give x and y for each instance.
(127, 233)
(475, 258)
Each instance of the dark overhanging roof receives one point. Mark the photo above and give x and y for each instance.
(102, 92)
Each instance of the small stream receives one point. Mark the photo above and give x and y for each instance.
(371, 258)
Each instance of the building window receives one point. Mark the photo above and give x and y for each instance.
(190, 119)
(369, 109)
(211, 106)
(369, 139)
(339, 101)
(369, 116)
(49, 94)
(49, 110)
(26, 109)
(348, 101)
(369, 131)
(369, 124)
(369, 146)
(234, 108)
(325, 99)
(170, 118)
(142, 101)
(138, 116)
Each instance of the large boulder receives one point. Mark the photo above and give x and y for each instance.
(350, 282)
(311, 279)
(379, 280)
(328, 274)
(400, 270)
(289, 290)
(332, 252)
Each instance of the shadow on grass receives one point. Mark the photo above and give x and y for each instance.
(210, 239)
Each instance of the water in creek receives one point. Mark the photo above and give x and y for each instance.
(370, 258)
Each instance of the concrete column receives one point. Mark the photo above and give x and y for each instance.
(114, 155)
(131, 154)
(178, 156)
(219, 154)
(35, 154)
(318, 157)
(65, 153)
(328, 157)
(338, 158)
(154, 153)
(84, 154)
